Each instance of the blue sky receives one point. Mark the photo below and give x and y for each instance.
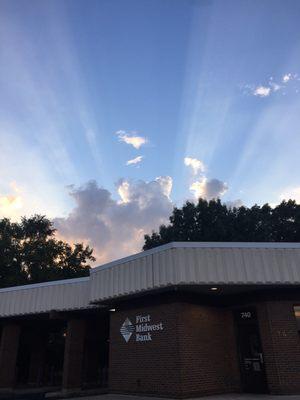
(207, 91)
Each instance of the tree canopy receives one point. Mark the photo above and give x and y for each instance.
(30, 253)
(212, 221)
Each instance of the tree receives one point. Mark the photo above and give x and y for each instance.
(212, 221)
(30, 253)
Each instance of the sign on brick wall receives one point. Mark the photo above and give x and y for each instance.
(142, 328)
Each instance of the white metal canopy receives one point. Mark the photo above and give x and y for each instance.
(174, 264)
(187, 263)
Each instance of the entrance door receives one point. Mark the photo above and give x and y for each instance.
(250, 352)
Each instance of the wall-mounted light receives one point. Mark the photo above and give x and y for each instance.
(214, 289)
(112, 310)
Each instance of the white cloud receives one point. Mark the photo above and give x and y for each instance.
(195, 164)
(124, 191)
(135, 160)
(262, 91)
(286, 78)
(275, 87)
(208, 188)
(116, 228)
(132, 139)
(11, 204)
(142, 192)
(292, 193)
(271, 87)
(166, 184)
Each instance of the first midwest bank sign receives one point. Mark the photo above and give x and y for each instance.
(142, 328)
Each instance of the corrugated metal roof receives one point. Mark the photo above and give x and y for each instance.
(173, 264)
(189, 263)
(62, 295)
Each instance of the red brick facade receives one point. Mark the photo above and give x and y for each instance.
(195, 353)
(192, 351)
(8, 355)
(152, 367)
(281, 346)
(208, 354)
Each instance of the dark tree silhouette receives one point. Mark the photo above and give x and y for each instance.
(212, 221)
(30, 253)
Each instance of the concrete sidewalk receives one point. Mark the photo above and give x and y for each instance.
(233, 396)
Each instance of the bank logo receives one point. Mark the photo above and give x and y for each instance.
(127, 329)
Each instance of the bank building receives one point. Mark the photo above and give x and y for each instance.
(180, 320)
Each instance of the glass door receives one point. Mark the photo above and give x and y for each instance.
(250, 352)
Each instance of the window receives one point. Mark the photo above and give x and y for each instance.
(297, 315)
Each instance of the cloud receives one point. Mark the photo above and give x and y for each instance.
(291, 193)
(116, 228)
(234, 203)
(9, 205)
(135, 160)
(208, 188)
(132, 139)
(286, 78)
(275, 86)
(166, 184)
(271, 87)
(195, 164)
(262, 91)
(142, 192)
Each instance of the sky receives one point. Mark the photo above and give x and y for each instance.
(112, 112)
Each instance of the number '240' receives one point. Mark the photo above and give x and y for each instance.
(246, 314)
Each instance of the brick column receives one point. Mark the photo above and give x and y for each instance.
(37, 359)
(8, 355)
(74, 354)
(281, 345)
(91, 362)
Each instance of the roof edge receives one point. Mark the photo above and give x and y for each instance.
(43, 284)
(172, 245)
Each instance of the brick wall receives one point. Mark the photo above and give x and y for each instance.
(8, 354)
(194, 354)
(281, 346)
(208, 351)
(151, 367)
